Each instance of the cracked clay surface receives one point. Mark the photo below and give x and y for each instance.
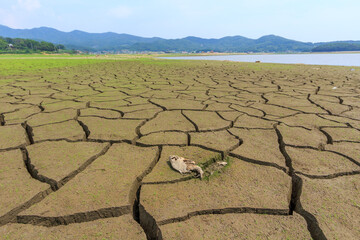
(84, 151)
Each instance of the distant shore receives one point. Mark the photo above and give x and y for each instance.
(334, 59)
(241, 53)
(155, 54)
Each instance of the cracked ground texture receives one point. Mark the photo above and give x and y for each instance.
(84, 151)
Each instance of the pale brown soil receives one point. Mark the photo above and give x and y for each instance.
(17, 186)
(12, 137)
(238, 226)
(123, 227)
(167, 138)
(64, 130)
(335, 203)
(220, 140)
(84, 151)
(106, 183)
(265, 188)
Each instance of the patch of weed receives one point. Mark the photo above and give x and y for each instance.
(212, 169)
(29, 66)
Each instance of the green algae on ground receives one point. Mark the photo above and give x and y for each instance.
(9, 66)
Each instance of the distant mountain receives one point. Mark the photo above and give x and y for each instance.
(77, 39)
(269, 43)
(124, 42)
(338, 46)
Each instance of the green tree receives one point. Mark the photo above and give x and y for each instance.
(46, 46)
(3, 44)
(60, 46)
(20, 45)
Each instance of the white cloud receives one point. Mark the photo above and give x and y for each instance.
(17, 14)
(29, 5)
(8, 19)
(121, 12)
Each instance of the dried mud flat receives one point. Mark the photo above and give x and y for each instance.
(84, 150)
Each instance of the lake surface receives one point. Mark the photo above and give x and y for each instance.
(338, 59)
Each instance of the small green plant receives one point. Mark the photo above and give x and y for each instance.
(213, 169)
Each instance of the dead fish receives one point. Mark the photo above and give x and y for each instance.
(184, 165)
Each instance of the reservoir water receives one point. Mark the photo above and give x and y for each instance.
(337, 59)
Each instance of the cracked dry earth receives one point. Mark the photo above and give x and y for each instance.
(84, 150)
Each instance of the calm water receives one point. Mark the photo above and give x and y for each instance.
(343, 59)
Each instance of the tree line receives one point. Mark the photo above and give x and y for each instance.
(19, 45)
(337, 47)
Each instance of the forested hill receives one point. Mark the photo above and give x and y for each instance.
(270, 43)
(338, 47)
(19, 45)
(124, 42)
(114, 42)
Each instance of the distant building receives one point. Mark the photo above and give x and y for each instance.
(10, 45)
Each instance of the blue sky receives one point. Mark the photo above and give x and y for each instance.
(303, 20)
